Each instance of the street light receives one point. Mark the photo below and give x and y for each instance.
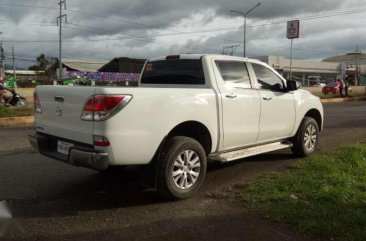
(245, 21)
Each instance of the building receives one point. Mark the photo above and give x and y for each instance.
(353, 65)
(26, 78)
(306, 71)
(124, 65)
(78, 65)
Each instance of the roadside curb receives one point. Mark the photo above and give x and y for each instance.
(346, 99)
(17, 121)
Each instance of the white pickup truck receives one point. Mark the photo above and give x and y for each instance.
(187, 110)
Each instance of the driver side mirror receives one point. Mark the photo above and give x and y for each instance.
(293, 85)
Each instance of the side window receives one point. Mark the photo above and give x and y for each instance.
(234, 73)
(266, 78)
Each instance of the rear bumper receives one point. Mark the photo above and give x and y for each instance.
(79, 155)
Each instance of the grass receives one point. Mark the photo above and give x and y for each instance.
(323, 195)
(14, 112)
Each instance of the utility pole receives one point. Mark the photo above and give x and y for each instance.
(60, 18)
(2, 59)
(14, 74)
(245, 14)
(230, 47)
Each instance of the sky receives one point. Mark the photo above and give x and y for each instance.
(105, 29)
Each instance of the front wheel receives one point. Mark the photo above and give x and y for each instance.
(182, 168)
(306, 139)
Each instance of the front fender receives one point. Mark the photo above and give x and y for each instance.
(307, 105)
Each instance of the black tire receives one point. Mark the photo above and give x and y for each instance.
(22, 102)
(306, 139)
(184, 185)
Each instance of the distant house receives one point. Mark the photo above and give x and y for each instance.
(353, 65)
(25, 75)
(82, 65)
(124, 65)
(119, 71)
(26, 78)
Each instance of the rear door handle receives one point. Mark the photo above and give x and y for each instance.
(267, 97)
(231, 96)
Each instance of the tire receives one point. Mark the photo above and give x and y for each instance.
(22, 102)
(306, 139)
(181, 169)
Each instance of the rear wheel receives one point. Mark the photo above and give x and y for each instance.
(306, 139)
(22, 102)
(182, 168)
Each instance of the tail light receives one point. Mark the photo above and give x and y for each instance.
(102, 107)
(37, 103)
(101, 141)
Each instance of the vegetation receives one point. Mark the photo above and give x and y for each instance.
(14, 112)
(324, 195)
(45, 68)
(43, 63)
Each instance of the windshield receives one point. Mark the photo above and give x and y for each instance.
(174, 72)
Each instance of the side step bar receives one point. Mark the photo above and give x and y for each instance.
(251, 151)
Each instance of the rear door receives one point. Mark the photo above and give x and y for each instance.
(240, 103)
(277, 117)
(61, 110)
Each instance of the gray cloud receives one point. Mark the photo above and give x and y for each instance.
(129, 28)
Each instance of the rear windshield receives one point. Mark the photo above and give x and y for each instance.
(174, 72)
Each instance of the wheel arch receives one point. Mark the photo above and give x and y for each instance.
(195, 130)
(315, 114)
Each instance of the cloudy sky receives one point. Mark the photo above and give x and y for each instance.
(104, 29)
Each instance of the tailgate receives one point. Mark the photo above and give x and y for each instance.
(61, 110)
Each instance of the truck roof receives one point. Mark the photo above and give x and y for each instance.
(192, 56)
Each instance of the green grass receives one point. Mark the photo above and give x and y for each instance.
(323, 195)
(14, 112)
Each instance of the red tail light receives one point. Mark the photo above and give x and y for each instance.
(36, 103)
(101, 141)
(102, 107)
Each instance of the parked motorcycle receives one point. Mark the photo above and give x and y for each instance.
(17, 100)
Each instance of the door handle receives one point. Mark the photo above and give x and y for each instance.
(267, 97)
(231, 96)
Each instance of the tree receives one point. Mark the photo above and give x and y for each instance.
(43, 63)
(43, 67)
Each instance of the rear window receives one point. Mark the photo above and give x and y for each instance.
(174, 72)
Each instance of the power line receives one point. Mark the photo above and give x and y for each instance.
(143, 39)
(309, 17)
(113, 19)
(25, 6)
(192, 32)
(144, 25)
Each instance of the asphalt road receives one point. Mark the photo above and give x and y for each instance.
(56, 201)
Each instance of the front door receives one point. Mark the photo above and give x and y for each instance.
(277, 106)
